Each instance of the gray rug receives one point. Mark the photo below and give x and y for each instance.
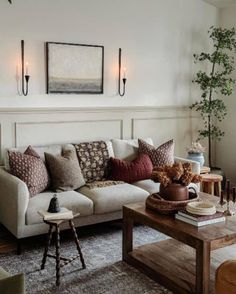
(105, 272)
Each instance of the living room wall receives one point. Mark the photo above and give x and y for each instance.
(225, 149)
(158, 38)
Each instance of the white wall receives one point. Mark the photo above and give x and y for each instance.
(226, 149)
(158, 38)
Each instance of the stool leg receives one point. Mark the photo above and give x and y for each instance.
(58, 274)
(212, 188)
(46, 247)
(77, 243)
(218, 189)
(201, 187)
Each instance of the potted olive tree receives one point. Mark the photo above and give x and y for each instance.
(215, 84)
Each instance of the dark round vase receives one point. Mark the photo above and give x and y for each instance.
(174, 192)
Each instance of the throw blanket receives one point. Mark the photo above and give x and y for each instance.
(101, 184)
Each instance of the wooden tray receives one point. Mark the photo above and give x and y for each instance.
(160, 205)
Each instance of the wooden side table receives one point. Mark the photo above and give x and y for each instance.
(59, 265)
(211, 184)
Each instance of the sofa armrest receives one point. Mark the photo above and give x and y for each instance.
(195, 165)
(14, 199)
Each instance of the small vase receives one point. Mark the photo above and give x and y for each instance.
(199, 157)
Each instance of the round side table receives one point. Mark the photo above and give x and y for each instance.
(211, 184)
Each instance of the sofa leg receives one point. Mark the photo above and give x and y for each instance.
(19, 247)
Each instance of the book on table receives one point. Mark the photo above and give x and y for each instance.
(199, 220)
(64, 213)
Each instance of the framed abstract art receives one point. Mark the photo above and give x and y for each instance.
(74, 68)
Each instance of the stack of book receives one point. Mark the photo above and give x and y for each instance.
(62, 215)
(199, 220)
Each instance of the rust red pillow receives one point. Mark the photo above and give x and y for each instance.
(130, 171)
(30, 168)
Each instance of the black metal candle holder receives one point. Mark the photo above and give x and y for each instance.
(123, 80)
(24, 78)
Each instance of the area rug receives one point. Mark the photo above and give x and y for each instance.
(106, 273)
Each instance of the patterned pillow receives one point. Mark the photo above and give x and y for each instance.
(93, 158)
(130, 171)
(30, 168)
(161, 156)
(64, 171)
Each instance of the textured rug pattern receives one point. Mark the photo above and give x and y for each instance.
(106, 273)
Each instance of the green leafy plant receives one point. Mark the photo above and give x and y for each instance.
(215, 84)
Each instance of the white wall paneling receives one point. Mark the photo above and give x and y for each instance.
(66, 131)
(20, 128)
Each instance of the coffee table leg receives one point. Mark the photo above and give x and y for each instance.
(203, 253)
(127, 234)
(46, 247)
(58, 274)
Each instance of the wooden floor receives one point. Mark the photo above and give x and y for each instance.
(7, 241)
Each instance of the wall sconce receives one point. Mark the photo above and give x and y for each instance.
(24, 70)
(124, 77)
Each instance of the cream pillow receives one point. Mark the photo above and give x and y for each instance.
(127, 149)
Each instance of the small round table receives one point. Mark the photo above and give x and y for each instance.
(59, 265)
(211, 184)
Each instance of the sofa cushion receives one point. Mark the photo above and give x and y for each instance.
(130, 171)
(70, 199)
(148, 185)
(3, 274)
(64, 171)
(30, 168)
(160, 156)
(152, 187)
(112, 198)
(93, 159)
(13, 284)
(127, 149)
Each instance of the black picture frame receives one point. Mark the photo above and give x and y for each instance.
(74, 84)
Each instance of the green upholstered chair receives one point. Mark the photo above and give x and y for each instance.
(11, 284)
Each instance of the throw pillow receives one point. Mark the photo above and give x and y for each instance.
(161, 156)
(127, 149)
(64, 171)
(30, 168)
(93, 158)
(130, 171)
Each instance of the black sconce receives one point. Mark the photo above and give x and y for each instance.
(124, 77)
(24, 70)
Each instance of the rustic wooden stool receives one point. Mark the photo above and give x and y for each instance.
(205, 170)
(211, 184)
(59, 265)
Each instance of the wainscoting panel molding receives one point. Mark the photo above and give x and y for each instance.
(163, 129)
(21, 127)
(44, 133)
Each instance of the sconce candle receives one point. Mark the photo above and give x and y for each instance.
(24, 67)
(124, 76)
(124, 73)
(27, 68)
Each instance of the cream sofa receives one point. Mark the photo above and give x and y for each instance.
(19, 212)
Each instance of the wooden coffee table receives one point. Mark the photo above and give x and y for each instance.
(182, 263)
